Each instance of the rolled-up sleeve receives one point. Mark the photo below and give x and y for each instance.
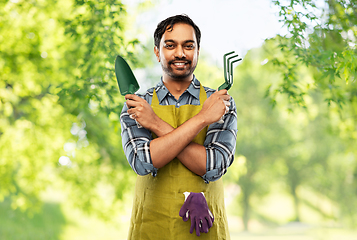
(136, 145)
(220, 145)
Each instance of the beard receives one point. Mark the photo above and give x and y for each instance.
(179, 74)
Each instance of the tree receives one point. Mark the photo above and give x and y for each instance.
(260, 136)
(323, 37)
(290, 148)
(59, 102)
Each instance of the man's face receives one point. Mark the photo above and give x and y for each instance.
(178, 52)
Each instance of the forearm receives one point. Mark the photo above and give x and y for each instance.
(194, 158)
(178, 142)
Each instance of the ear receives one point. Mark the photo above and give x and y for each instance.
(157, 53)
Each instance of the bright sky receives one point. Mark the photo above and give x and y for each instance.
(226, 25)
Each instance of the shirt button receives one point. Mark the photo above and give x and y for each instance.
(177, 104)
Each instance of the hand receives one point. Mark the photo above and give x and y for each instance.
(227, 103)
(141, 111)
(215, 106)
(196, 208)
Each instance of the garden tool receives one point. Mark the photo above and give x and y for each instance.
(228, 70)
(228, 73)
(126, 80)
(125, 77)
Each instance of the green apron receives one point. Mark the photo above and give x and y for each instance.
(158, 200)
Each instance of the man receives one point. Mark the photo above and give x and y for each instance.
(179, 142)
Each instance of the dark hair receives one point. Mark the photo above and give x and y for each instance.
(168, 23)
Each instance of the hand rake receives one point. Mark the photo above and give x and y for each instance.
(228, 73)
(228, 69)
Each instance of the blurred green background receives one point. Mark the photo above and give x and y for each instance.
(63, 173)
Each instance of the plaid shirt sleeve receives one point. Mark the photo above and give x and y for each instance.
(136, 145)
(220, 145)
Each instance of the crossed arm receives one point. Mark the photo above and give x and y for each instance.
(192, 155)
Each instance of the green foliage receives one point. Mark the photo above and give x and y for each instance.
(59, 108)
(260, 136)
(46, 225)
(31, 138)
(322, 38)
(295, 148)
(325, 40)
(59, 102)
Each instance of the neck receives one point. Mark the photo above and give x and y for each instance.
(177, 86)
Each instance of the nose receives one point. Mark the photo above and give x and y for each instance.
(180, 52)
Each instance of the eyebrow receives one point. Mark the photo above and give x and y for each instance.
(172, 41)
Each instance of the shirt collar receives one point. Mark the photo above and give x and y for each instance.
(193, 89)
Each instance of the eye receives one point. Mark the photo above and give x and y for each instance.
(169, 46)
(189, 46)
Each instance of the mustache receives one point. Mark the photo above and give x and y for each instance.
(180, 59)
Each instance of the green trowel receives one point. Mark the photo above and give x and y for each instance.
(126, 80)
(125, 77)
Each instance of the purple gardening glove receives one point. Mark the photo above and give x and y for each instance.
(196, 208)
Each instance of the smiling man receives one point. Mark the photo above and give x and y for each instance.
(178, 53)
(180, 152)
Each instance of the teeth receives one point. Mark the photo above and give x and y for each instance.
(179, 64)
